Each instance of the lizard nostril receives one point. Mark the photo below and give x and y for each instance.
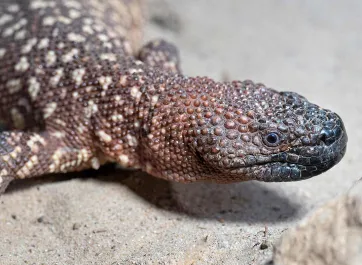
(327, 136)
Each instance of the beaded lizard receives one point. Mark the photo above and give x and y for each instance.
(77, 91)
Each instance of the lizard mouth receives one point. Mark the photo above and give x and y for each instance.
(297, 163)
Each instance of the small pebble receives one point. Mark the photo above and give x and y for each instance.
(263, 246)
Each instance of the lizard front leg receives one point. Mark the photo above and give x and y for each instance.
(29, 154)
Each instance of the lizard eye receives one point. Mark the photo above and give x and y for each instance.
(272, 139)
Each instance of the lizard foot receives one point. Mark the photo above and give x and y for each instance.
(30, 154)
(162, 54)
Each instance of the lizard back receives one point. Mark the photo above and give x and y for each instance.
(60, 50)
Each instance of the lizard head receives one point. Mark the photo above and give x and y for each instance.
(245, 131)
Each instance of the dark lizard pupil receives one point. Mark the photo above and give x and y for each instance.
(272, 138)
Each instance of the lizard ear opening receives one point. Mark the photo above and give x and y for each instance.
(199, 157)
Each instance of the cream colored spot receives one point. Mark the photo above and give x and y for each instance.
(55, 32)
(5, 158)
(123, 160)
(77, 75)
(81, 129)
(83, 155)
(88, 21)
(34, 87)
(154, 100)
(54, 80)
(44, 43)
(17, 118)
(105, 81)
(63, 93)
(108, 56)
(70, 55)
(49, 109)
(39, 138)
(39, 71)
(118, 100)
(22, 22)
(56, 157)
(20, 34)
(75, 94)
(13, 85)
(95, 163)
(134, 70)
(3, 172)
(98, 27)
(123, 80)
(10, 30)
(29, 45)
(132, 141)
(103, 37)
(117, 117)
(60, 45)
(75, 37)
(58, 134)
(91, 109)
(41, 4)
(49, 21)
(2, 52)
(25, 170)
(14, 8)
(112, 34)
(22, 65)
(64, 20)
(136, 93)
(104, 136)
(51, 58)
(117, 42)
(65, 166)
(72, 4)
(74, 14)
(108, 45)
(88, 29)
(60, 122)
(89, 89)
(15, 152)
(5, 18)
(33, 143)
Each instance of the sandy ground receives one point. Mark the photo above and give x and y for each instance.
(117, 217)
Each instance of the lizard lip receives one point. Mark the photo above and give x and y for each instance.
(308, 167)
(297, 163)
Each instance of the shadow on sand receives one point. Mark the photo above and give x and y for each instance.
(250, 202)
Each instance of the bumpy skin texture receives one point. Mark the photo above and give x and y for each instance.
(161, 54)
(73, 97)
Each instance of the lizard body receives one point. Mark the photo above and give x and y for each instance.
(76, 92)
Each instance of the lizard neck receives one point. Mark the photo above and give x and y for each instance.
(125, 109)
(166, 110)
(135, 123)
